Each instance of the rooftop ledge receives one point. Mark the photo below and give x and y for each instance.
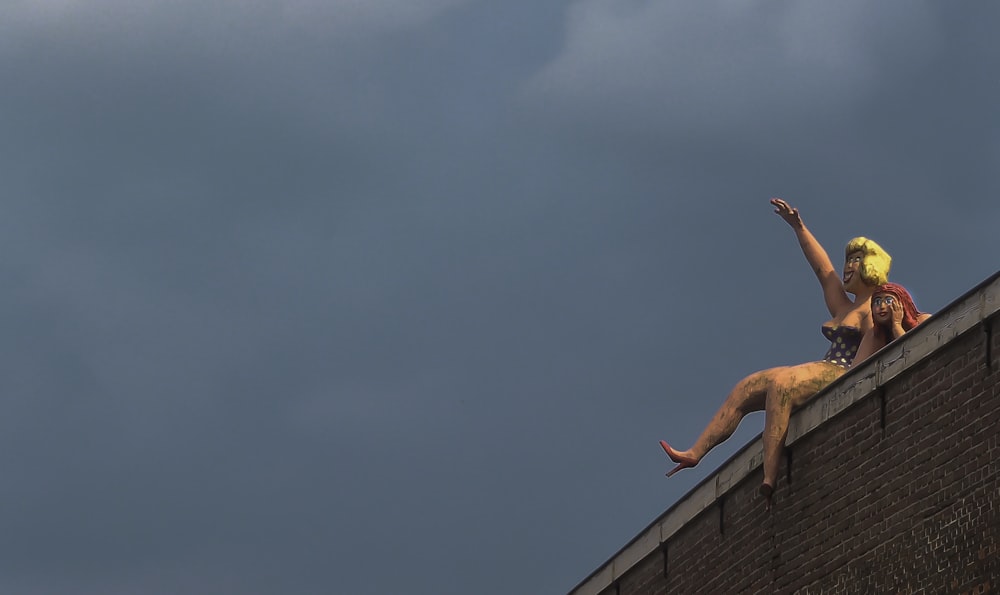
(963, 314)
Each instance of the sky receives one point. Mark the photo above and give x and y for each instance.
(398, 296)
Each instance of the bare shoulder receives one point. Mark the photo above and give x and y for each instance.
(857, 315)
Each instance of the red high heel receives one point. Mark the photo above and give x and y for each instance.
(682, 461)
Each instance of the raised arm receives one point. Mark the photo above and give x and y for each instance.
(833, 289)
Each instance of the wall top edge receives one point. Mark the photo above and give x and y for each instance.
(965, 312)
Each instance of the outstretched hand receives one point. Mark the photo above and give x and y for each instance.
(785, 210)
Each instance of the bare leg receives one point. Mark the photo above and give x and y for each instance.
(790, 388)
(777, 412)
(749, 395)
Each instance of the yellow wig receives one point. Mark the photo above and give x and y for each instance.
(875, 262)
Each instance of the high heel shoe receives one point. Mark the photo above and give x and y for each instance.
(682, 461)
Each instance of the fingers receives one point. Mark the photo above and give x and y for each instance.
(781, 206)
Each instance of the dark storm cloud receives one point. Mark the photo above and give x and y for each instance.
(879, 111)
(897, 90)
(300, 291)
(699, 70)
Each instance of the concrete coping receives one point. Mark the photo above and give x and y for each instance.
(963, 314)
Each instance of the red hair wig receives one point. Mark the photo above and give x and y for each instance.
(910, 313)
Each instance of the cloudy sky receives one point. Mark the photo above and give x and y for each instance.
(397, 296)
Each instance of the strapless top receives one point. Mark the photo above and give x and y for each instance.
(844, 343)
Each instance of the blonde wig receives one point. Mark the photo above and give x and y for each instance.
(875, 262)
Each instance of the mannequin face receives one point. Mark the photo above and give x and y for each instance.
(882, 304)
(852, 272)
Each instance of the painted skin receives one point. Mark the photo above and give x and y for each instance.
(777, 391)
(888, 313)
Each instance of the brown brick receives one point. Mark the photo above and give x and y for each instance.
(913, 508)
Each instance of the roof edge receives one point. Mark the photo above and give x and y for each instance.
(964, 313)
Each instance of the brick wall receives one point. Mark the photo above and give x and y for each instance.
(899, 493)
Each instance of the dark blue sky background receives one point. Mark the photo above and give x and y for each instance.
(397, 296)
